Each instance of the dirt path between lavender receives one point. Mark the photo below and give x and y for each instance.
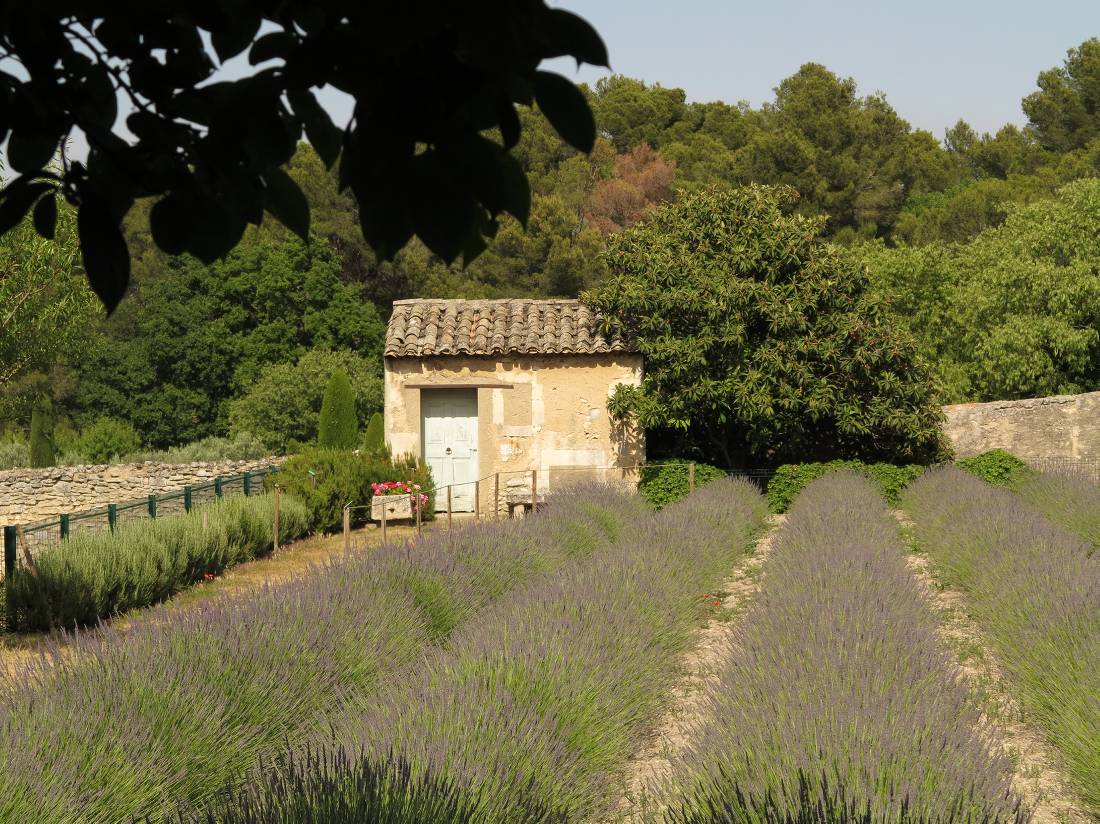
(640, 801)
(293, 561)
(1038, 779)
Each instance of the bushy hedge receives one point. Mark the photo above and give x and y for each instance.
(341, 476)
(665, 482)
(790, 479)
(96, 575)
(996, 466)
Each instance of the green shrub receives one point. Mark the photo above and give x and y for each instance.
(95, 575)
(338, 427)
(243, 446)
(791, 479)
(107, 439)
(281, 406)
(41, 450)
(663, 482)
(997, 466)
(375, 438)
(14, 452)
(327, 479)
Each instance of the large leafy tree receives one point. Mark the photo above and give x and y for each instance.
(281, 408)
(45, 307)
(761, 341)
(194, 336)
(430, 80)
(1015, 312)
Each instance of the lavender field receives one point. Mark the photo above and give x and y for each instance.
(182, 707)
(534, 709)
(1034, 589)
(836, 701)
(514, 672)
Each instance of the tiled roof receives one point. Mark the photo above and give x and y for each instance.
(497, 327)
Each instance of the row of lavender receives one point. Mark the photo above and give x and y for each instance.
(836, 702)
(183, 706)
(1034, 589)
(530, 714)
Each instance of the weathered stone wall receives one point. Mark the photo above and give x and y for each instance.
(541, 412)
(29, 495)
(1061, 426)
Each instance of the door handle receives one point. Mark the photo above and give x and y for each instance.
(447, 451)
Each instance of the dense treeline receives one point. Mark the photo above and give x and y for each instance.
(982, 243)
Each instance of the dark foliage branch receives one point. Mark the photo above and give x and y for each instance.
(430, 80)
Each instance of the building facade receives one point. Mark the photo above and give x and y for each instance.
(491, 390)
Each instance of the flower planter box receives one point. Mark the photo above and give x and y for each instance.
(394, 506)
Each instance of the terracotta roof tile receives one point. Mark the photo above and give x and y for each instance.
(497, 327)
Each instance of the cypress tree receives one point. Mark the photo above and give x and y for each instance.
(339, 427)
(375, 439)
(42, 434)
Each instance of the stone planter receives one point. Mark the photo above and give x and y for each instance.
(395, 507)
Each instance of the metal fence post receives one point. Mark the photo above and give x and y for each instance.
(10, 540)
(218, 487)
(247, 484)
(152, 506)
(64, 523)
(187, 498)
(112, 516)
(275, 541)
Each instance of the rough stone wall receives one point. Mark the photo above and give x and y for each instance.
(552, 417)
(29, 495)
(1061, 426)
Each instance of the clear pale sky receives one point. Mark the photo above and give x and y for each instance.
(936, 61)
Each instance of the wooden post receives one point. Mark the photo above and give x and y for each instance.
(347, 528)
(496, 496)
(477, 500)
(691, 477)
(418, 515)
(278, 523)
(448, 506)
(204, 523)
(534, 489)
(383, 521)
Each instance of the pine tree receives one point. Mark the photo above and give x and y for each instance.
(375, 439)
(338, 427)
(42, 434)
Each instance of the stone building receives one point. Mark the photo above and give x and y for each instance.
(490, 390)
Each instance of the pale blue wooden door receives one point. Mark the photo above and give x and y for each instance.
(450, 444)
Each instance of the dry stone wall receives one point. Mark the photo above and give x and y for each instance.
(1064, 427)
(29, 495)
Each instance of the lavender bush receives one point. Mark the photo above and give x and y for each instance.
(96, 575)
(1068, 499)
(185, 705)
(837, 702)
(1035, 591)
(534, 709)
